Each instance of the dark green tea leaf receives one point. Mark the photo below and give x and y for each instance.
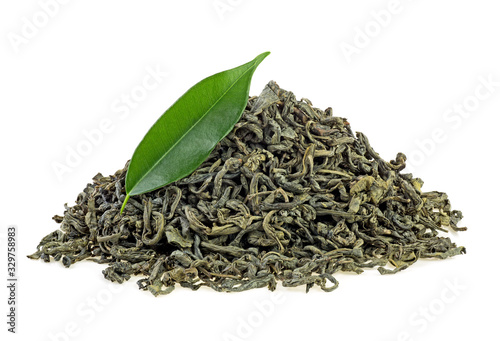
(186, 133)
(292, 195)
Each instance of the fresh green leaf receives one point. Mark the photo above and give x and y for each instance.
(186, 133)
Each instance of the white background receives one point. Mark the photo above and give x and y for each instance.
(402, 83)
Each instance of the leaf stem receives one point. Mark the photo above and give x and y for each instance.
(124, 203)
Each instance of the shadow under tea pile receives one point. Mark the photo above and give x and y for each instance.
(290, 195)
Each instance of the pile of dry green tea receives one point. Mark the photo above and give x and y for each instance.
(290, 195)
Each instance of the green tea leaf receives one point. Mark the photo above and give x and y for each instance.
(186, 133)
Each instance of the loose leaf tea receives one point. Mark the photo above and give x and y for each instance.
(291, 194)
(184, 135)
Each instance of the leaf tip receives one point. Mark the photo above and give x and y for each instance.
(262, 56)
